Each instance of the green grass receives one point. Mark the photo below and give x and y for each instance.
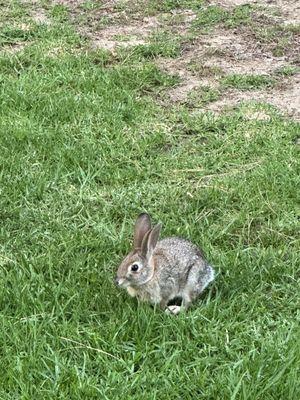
(204, 70)
(212, 15)
(13, 35)
(203, 95)
(281, 39)
(84, 148)
(247, 82)
(170, 5)
(288, 70)
(160, 45)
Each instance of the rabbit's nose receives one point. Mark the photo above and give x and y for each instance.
(117, 282)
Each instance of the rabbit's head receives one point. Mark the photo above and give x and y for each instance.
(138, 267)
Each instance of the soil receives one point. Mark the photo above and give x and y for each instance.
(285, 98)
(205, 58)
(124, 35)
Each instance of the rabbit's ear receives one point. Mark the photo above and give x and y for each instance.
(150, 241)
(144, 245)
(142, 226)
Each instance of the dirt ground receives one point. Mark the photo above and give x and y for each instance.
(207, 57)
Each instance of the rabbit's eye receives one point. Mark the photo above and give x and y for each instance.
(134, 267)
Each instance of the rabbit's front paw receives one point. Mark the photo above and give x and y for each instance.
(173, 310)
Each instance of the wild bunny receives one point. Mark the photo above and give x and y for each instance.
(160, 271)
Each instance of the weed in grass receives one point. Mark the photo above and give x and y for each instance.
(202, 96)
(169, 5)
(89, 5)
(241, 15)
(204, 70)
(213, 15)
(281, 39)
(293, 28)
(59, 12)
(288, 70)
(268, 33)
(210, 16)
(152, 51)
(279, 49)
(160, 46)
(165, 45)
(247, 82)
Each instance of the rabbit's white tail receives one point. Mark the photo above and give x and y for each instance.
(209, 276)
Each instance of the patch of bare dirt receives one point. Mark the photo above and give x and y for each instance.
(39, 16)
(232, 3)
(72, 3)
(257, 115)
(235, 48)
(257, 66)
(178, 21)
(204, 61)
(14, 48)
(235, 54)
(136, 32)
(239, 51)
(289, 10)
(110, 24)
(37, 12)
(131, 35)
(190, 79)
(285, 12)
(285, 98)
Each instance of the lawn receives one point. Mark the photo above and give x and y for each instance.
(87, 142)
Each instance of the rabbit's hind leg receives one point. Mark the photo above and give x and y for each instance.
(199, 278)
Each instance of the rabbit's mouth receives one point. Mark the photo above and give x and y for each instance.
(122, 282)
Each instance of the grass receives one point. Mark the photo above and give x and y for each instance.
(202, 96)
(288, 70)
(282, 39)
(212, 15)
(247, 82)
(160, 45)
(170, 5)
(259, 22)
(84, 148)
(204, 70)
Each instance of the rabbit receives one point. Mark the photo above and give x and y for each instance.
(158, 271)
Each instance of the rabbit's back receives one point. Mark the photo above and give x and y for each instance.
(179, 249)
(175, 256)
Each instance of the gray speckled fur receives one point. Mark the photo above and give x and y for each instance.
(181, 271)
(177, 268)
